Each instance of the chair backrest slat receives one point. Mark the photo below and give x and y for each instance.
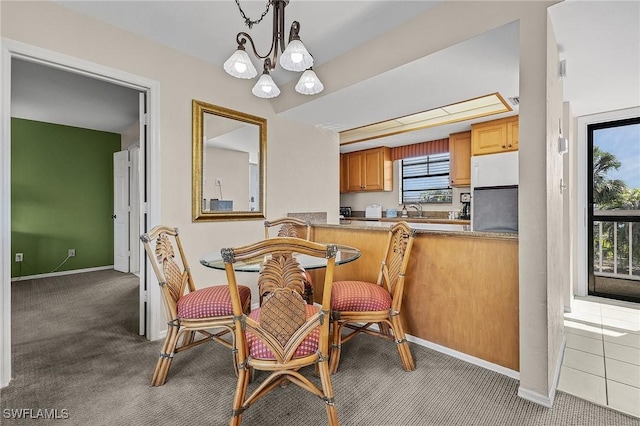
(397, 254)
(171, 269)
(288, 227)
(283, 322)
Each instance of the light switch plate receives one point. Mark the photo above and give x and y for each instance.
(465, 197)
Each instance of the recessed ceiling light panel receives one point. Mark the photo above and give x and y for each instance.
(460, 111)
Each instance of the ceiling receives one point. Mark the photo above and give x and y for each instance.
(600, 41)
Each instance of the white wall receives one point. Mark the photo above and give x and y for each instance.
(533, 212)
(232, 167)
(130, 137)
(570, 177)
(557, 260)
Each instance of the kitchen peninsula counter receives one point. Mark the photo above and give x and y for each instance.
(461, 286)
(445, 228)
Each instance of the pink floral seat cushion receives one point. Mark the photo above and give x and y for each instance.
(210, 302)
(309, 346)
(359, 296)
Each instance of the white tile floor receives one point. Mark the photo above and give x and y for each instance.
(602, 357)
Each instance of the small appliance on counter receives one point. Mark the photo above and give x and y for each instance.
(373, 211)
(465, 200)
(345, 212)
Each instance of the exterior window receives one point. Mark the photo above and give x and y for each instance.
(425, 179)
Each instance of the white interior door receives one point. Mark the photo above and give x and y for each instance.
(134, 225)
(121, 211)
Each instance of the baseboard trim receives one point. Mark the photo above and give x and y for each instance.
(546, 400)
(461, 355)
(535, 397)
(61, 273)
(556, 373)
(465, 357)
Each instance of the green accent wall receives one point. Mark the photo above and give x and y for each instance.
(61, 196)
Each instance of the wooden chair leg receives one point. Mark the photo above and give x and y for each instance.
(166, 356)
(188, 337)
(336, 344)
(403, 345)
(327, 389)
(244, 375)
(384, 328)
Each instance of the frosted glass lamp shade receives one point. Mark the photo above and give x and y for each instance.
(296, 57)
(265, 87)
(239, 65)
(309, 83)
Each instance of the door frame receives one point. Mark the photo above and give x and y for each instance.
(607, 290)
(581, 287)
(150, 153)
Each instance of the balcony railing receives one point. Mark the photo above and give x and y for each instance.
(617, 248)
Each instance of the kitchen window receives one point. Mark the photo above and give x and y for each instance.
(425, 179)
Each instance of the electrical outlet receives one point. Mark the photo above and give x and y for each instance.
(218, 182)
(72, 252)
(19, 257)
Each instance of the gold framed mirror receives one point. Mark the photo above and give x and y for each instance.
(229, 161)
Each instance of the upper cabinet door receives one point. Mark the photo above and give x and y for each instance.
(495, 136)
(373, 178)
(513, 135)
(460, 159)
(343, 175)
(353, 169)
(368, 170)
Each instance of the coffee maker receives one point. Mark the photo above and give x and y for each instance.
(465, 199)
(345, 212)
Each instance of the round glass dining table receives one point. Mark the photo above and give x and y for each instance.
(345, 254)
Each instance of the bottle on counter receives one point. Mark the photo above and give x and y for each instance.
(404, 211)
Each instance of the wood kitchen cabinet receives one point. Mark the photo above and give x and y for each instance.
(343, 177)
(460, 159)
(492, 137)
(368, 170)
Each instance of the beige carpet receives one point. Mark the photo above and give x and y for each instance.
(76, 348)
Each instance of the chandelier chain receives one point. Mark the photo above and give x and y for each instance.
(247, 21)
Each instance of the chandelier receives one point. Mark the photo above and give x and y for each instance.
(295, 56)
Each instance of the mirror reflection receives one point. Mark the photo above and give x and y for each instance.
(229, 150)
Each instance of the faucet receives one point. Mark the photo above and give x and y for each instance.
(418, 208)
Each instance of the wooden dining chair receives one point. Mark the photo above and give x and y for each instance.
(288, 227)
(292, 227)
(285, 333)
(358, 305)
(194, 316)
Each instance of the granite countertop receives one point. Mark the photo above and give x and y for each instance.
(425, 220)
(453, 229)
(412, 219)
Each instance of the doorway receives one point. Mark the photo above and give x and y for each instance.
(65, 128)
(614, 209)
(149, 170)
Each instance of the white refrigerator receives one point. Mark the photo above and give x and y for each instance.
(494, 192)
(494, 169)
